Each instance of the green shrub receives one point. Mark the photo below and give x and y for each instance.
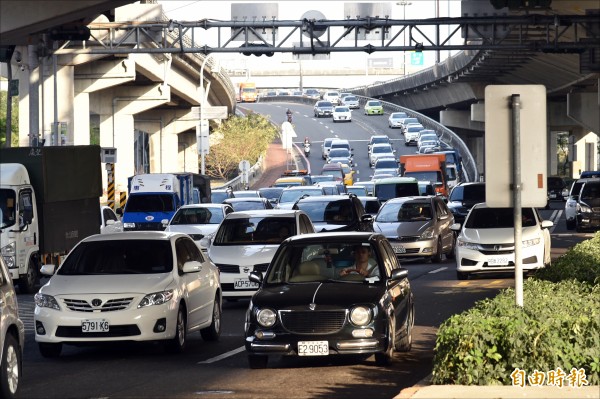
(581, 262)
(559, 326)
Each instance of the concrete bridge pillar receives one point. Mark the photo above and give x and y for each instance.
(117, 107)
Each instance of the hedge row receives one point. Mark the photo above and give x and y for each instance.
(558, 326)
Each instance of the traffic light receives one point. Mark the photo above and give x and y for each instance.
(251, 49)
(520, 4)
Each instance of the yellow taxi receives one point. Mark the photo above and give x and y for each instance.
(348, 174)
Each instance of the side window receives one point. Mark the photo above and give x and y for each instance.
(26, 205)
(183, 254)
(440, 208)
(193, 251)
(391, 261)
(306, 225)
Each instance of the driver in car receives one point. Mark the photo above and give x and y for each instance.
(363, 265)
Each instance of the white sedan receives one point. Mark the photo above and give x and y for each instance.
(132, 286)
(342, 113)
(486, 243)
(198, 220)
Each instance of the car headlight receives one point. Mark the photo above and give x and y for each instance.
(46, 301)
(466, 244)
(531, 243)
(360, 316)
(10, 262)
(129, 225)
(427, 234)
(156, 298)
(266, 317)
(9, 250)
(583, 208)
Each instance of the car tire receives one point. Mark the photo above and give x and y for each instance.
(28, 281)
(385, 359)
(450, 254)
(50, 350)
(178, 342)
(462, 275)
(439, 252)
(212, 332)
(258, 361)
(11, 367)
(405, 343)
(570, 224)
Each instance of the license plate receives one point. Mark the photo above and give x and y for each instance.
(399, 249)
(313, 348)
(498, 261)
(244, 283)
(94, 325)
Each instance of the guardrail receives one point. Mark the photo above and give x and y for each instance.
(446, 135)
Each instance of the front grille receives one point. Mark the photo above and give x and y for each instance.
(81, 305)
(496, 249)
(228, 268)
(128, 330)
(405, 239)
(261, 267)
(313, 322)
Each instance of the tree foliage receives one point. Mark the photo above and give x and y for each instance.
(14, 120)
(242, 138)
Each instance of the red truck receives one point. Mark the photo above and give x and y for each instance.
(426, 167)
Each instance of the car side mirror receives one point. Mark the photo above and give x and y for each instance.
(47, 270)
(192, 266)
(455, 227)
(205, 242)
(164, 223)
(546, 224)
(366, 218)
(256, 277)
(399, 274)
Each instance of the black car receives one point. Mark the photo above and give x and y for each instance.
(217, 196)
(271, 193)
(588, 206)
(304, 307)
(463, 197)
(556, 185)
(344, 212)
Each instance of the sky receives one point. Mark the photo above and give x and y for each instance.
(192, 10)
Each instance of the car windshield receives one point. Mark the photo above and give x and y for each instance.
(254, 230)
(410, 211)
(150, 203)
(306, 262)
(470, 193)
(398, 115)
(247, 205)
(198, 216)
(386, 164)
(336, 211)
(410, 120)
(555, 183)
(374, 103)
(294, 195)
(414, 129)
(270, 193)
(342, 109)
(118, 257)
(433, 175)
(380, 140)
(349, 98)
(497, 218)
(590, 191)
(324, 104)
(336, 173)
(217, 197)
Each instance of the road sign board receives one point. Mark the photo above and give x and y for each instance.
(218, 112)
(499, 145)
(244, 166)
(416, 58)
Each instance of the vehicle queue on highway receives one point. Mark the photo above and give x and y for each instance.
(212, 252)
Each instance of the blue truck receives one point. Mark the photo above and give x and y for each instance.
(155, 197)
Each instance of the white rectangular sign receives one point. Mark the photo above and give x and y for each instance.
(499, 145)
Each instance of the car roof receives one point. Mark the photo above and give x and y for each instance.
(399, 179)
(351, 236)
(299, 188)
(244, 199)
(410, 198)
(327, 198)
(133, 235)
(263, 213)
(205, 205)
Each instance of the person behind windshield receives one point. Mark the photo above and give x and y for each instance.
(363, 265)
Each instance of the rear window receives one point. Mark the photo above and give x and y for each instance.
(387, 191)
(555, 183)
(256, 230)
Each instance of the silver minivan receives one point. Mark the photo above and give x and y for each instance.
(12, 336)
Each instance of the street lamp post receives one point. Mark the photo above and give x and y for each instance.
(404, 4)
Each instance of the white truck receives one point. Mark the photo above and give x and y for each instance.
(49, 201)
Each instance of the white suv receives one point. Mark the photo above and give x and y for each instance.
(247, 241)
(12, 336)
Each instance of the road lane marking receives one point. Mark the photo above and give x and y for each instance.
(223, 356)
(462, 284)
(555, 219)
(438, 270)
